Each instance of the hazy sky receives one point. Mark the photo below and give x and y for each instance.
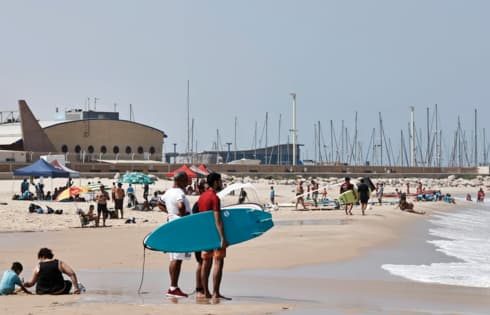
(243, 58)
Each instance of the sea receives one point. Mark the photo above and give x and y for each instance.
(462, 235)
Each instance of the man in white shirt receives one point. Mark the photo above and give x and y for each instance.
(175, 203)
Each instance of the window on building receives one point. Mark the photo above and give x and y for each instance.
(78, 148)
(115, 150)
(64, 148)
(152, 150)
(140, 150)
(103, 149)
(128, 150)
(90, 149)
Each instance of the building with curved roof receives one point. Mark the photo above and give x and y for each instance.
(85, 135)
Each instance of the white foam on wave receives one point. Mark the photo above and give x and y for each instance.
(463, 235)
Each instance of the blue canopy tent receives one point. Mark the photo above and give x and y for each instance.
(41, 168)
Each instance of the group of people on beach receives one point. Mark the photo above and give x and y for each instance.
(175, 203)
(47, 276)
(362, 194)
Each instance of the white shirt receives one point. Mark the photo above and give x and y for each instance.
(171, 199)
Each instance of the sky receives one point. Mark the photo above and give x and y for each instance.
(244, 58)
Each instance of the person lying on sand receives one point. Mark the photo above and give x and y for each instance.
(407, 206)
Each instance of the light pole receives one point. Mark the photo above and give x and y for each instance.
(175, 153)
(228, 154)
(294, 127)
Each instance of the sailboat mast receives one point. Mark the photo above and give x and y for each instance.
(188, 122)
(279, 142)
(476, 137)
(235, 140)
(266, 136)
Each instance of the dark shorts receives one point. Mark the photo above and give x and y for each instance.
(198, 257)
(364, 200)
(66, 289)
(118, 204)
(102, 208)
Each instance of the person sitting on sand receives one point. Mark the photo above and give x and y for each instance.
(11, 278)
(48, 275)
(86, 218)
(407, 206)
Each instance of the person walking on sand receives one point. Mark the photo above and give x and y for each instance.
(380, 193)
(119, 200)
(272, 196)
(101, 198)
(49, 275)
(314, 192)
(299, 195)
(363, 190)
(175, 203)
(209, 201)
(343, 188)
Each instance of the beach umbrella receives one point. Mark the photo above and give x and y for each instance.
(72, 192)
(137, 178)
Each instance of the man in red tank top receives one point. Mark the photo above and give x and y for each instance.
(209, 201)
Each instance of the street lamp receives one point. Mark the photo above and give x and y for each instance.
(228, 154)
(175, 153)
(294, 128)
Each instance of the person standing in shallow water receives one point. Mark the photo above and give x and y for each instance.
(175, 203)
(209, 201)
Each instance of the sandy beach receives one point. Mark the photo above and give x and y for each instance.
(285, 271)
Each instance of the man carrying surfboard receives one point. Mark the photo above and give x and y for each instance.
(347, 185)
(175, 203)
(209, 201)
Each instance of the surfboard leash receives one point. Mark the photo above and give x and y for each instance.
(143, 267)
(142, 270)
